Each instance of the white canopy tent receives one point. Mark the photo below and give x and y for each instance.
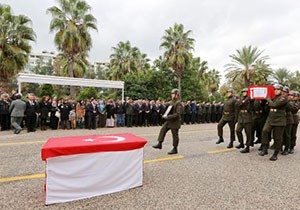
(55, 80)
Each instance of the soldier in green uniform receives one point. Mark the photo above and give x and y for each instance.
(289, 121)
(276, 122)
(295, 108)
(244, 119)
(173, 122)
(259, 117)
(228, 117)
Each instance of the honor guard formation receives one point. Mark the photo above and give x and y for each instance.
(268, 119)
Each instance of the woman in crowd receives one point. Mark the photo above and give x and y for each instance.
(55, 114)
(102, 113)
(110, 110)
(80, 113)
(64, 114)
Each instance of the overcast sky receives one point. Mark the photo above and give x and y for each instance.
(219, 27)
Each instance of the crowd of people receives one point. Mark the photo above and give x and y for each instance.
(53, 113)
(272, 118)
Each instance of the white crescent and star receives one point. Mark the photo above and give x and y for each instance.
(106, 139)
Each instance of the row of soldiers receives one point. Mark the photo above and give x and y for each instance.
(149, 113)
(275, 118)
(205, 112)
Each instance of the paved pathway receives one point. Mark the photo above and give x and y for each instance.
(202, 176)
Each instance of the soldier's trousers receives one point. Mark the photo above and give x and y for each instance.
(208, 117)
(248, 130)
(219, 116)
(258, 125)
(163, 131)
(294, 135)
(277, 135)
(129, 120)
(203, 118)
(287, 135)
(231, 126)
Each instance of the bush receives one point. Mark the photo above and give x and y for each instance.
(88, 93)
(46, 90)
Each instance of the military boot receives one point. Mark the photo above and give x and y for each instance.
(285, 151)
(220, 140)
(264, 150)
(173, 151)
(241, 145)
(291, 151)
(158, 145)
(274, 156)
(230, 145)
(246, 150)
(257, 141)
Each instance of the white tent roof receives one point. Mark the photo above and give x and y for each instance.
(45, 79)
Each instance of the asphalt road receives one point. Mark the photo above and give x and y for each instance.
(202, 176)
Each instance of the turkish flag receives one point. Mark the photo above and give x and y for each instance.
(71, 145)
(261, 92)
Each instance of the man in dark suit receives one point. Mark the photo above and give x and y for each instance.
(31, 113)
(173, 122)
(17, 110)
(91, 111)
(4, 112)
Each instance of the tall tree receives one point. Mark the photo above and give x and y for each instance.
(178, 46)
(294, 82)
(142, 62)
(126, 59)
(246, 63)
(72, 23)
(202, 68)
(282, 76)
(190, 84)
(210, 81)
(15, 35)
(263, 73)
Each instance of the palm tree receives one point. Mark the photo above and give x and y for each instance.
(15, 34)
(202, 68)
(294, 82)
(80, 65)
(246, 63)
(142, 62)
(262, 72)
(159, 64)
(282, 76)
(178, 46)
(126, 59)
(210, 81)
(72, 22)
(199, 66)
